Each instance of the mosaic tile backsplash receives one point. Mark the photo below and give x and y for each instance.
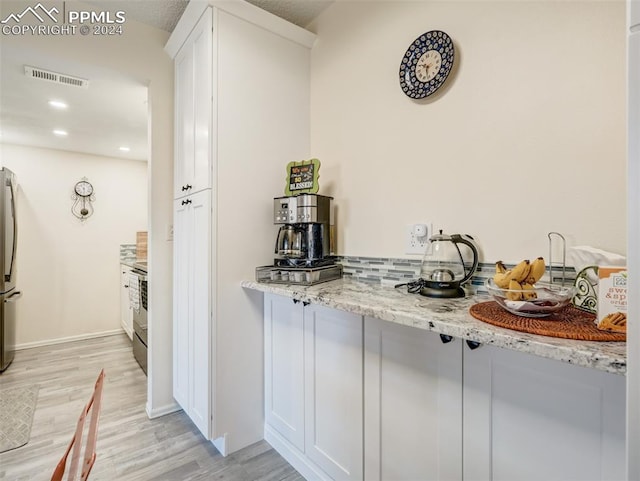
(391, 271)
(127, 252)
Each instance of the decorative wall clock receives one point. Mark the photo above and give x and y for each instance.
(426, 64)
(82, 196)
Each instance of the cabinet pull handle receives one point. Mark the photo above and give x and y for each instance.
(446, 339)
(186, 187)
(295, 301)
(305, 303)
(186, 202)
(473, 344)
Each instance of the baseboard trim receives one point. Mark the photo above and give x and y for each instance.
(295, 458)
(162, 410)
(62, 340)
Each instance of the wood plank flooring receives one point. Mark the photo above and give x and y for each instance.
(130, 445)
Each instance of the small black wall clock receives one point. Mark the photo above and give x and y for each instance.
(426, 64)
(82, 197)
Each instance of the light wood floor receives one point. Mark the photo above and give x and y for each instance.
(130, 446)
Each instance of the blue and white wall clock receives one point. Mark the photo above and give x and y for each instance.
(426, 64)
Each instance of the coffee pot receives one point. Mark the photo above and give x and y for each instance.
(443, 269)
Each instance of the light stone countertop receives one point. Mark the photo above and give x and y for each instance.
(450, 317)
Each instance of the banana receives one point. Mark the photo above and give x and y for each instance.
(529, 292)
(521, 271)
(500, 268)
(514, 293)
(537, 271)
(502, 279)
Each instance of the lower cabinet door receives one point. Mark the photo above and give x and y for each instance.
(413, 404)
(182, 228)
(192, 318)
(527, 418)
(284, 368)
(334, 391)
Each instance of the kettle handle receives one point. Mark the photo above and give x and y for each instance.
(458, 239)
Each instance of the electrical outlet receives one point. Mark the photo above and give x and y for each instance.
(169, 232)
(417, 238)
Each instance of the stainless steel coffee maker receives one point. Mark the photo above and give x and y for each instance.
(306, 234)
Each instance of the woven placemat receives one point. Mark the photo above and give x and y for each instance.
(568, 323)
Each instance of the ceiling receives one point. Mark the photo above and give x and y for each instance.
(112, 111)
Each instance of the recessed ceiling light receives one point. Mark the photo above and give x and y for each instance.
(124, 149)
(58, 104)
(60, 133)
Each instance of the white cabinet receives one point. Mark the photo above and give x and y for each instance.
(126, 312)
(530, 418)
(193, 85)
(413, 404)
(353, 398)
(314, 388)
(284, 368)
(333, 391)
(192, 335)
(241, 114)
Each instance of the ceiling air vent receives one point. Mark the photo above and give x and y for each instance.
(55, 77)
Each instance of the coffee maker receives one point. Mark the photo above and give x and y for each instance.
(306, 235)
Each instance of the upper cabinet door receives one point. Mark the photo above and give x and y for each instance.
(193, 126)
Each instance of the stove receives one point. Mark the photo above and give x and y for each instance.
(138, 293)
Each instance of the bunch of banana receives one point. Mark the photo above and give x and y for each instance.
(521, 278)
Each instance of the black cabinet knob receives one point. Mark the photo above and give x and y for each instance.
(186, 187)
(446, 339)
(473, 344)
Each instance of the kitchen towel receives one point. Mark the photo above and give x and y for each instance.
(134, 291)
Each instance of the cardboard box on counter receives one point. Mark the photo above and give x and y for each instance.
(612, 298)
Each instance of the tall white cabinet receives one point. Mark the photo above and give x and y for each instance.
(241, 114)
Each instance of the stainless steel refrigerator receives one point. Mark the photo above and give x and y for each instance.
(8, 292)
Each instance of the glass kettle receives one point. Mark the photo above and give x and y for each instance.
(443, 269)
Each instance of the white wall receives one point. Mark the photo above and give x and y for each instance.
(68, 270)
(138, 54)
(528, 137)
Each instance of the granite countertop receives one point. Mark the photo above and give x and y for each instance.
(135, 264)
(450, 317)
